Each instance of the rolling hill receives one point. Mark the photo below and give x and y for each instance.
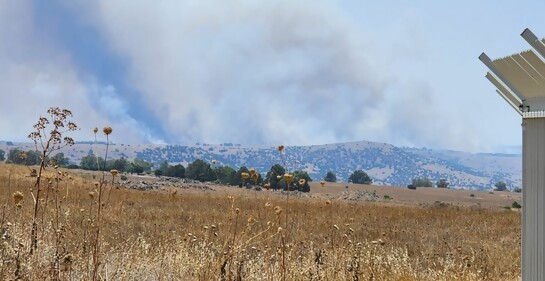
(385, 163)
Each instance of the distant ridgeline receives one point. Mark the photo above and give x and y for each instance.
(93, 142)
(384, 163)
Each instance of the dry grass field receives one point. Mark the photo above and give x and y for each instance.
(235, 234)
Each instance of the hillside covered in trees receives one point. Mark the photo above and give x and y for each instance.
(386, 164)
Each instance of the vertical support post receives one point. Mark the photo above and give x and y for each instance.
(533, 198)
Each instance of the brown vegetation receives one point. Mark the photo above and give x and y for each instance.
(243, 235)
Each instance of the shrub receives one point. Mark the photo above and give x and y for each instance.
(360, 177)
(443, 183)
(422, 182)
(330, 177)
(500, 186)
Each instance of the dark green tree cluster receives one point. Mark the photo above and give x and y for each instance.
(199, 170)
(225, 175)
(275, 177)
(297, 177)
(2, 155)
(21, 157)
(31, 157)
(94, 163)
(500, 186)
(177, 171)
(422, 182)
(360, 177)
(442, 183)
(330, 177)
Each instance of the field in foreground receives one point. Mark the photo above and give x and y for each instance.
(234, 234)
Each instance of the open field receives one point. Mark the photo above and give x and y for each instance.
(177, 233)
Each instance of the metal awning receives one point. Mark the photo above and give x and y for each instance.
(525, 71)
(520, 78)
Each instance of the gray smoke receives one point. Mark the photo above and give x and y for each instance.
(247, 72)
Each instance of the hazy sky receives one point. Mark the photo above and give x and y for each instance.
(264, 72)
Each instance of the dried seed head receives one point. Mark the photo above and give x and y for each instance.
(96, 183)
(91, 194)
(322, 183)
(237, 210)
(280, 148)
(18, 197)
(328, 202)
(302, 182)
(245, 175)
(114, 172)
(214, 162)
(107, 130)
(95, 130)
(278, 210)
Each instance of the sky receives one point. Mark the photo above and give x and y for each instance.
(265, 72)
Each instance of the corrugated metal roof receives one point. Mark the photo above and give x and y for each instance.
(526, 73)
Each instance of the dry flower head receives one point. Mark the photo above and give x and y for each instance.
(18, 197)
(107, 130)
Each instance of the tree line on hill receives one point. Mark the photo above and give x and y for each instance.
(199, 170)
(203, 171)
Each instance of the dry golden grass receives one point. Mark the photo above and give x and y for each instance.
(224, 235)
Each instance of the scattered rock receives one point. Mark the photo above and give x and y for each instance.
(360, 195)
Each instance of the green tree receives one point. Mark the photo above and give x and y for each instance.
(15, 156)
(32, 158)
(120, 164)
(273, 174)
(422, 182)
(2, 155)
(330, 177)
(199, 170)
(60, 160)
(225, 174)
(360, 177)
(177, 171)
(442, 183)
(500, 186)
(237, 178)
(88, 162)
(297, 176)
(139, 166)
(163, 169)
